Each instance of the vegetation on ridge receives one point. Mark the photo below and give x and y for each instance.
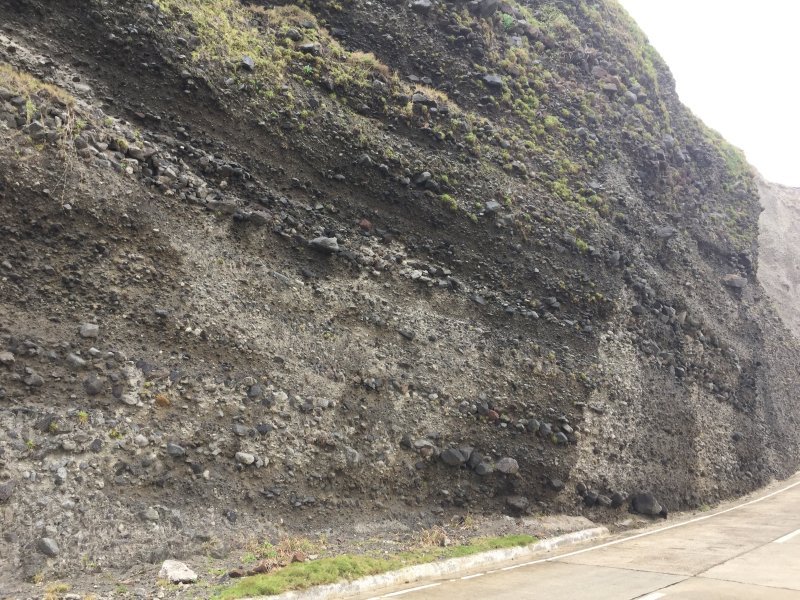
(288, 69)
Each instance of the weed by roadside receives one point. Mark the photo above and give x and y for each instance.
(431, 545)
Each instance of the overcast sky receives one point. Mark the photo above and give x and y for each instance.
(737, 66)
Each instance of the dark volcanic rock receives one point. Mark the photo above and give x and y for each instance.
(518, 504)
(48, 547)
(646, 504)
(493, 81)
(6, 490)
(327, 245)
(452, 457)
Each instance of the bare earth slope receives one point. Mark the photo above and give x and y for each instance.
(348, 270)
(779, 249)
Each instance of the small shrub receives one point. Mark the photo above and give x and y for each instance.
(449, 202)
(551, 123)
(30, 110)
(561, 189)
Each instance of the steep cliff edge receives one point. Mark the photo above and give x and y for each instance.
(356, 268)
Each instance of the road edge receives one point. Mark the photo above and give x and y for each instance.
(437, 569)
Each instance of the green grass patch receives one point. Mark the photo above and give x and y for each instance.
(300, 576)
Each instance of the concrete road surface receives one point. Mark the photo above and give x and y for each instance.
(748, 550)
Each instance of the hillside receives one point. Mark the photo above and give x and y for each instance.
(355, 268)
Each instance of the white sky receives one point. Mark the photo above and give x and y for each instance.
(737, 67)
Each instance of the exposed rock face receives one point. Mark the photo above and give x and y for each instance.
(779, 250)
(418, 259)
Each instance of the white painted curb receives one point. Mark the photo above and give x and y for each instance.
(436, 569)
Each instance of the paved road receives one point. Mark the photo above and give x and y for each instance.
(747, 551)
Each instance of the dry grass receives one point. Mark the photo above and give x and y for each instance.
(368, 60)
(226, 33)
(54, 591)
(433, 537)
(27, 86)
(39, 96)
(288, 14)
